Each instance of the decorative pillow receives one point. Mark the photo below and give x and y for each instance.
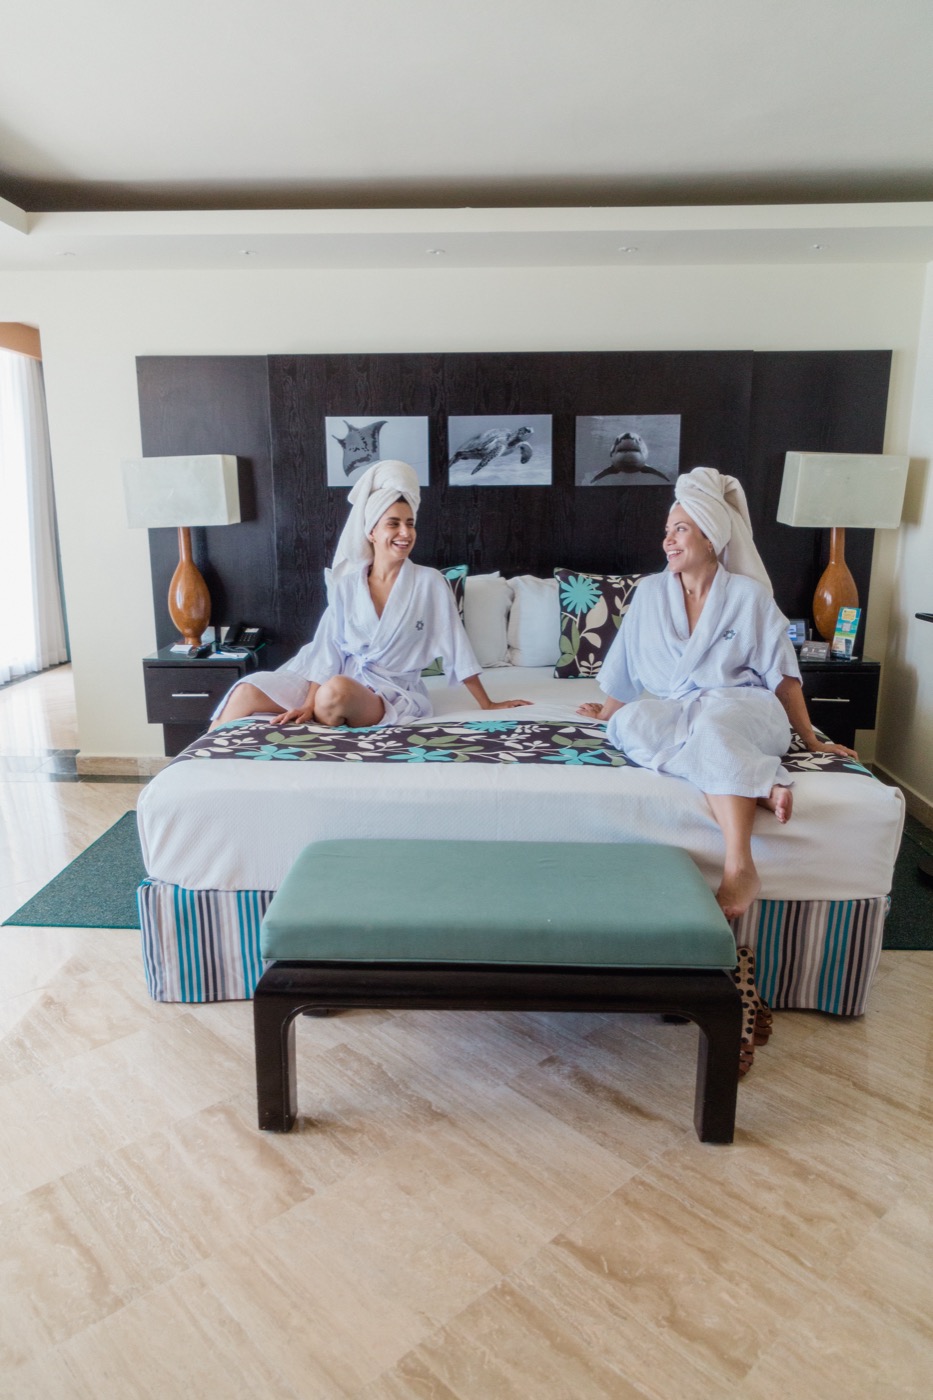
(456, 577)
(486, 603)
(534, 621)
(591, 608)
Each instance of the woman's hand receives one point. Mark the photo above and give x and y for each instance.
(594, 710)
(476, 688)
(839, 750)
(303, 716)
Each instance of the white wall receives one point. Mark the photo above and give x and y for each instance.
(94, 324)
(905, 744)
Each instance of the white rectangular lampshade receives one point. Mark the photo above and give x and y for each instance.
(826, 489)
(181, 491)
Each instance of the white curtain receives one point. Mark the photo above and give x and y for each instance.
(32, 629)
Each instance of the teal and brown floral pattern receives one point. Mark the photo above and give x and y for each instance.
(591, 610)
(503, 741)
(475, 741)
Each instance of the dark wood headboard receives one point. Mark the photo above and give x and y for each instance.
(740, 412)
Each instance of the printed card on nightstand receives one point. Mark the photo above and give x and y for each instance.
(844, 635)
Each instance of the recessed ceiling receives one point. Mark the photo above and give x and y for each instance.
(605, 107)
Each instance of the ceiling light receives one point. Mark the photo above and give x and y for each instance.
(818, 246)
(627, 248)
(247, 253)
(436, 252)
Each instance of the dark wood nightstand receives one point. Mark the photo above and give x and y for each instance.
(183, 691)
(842, 696)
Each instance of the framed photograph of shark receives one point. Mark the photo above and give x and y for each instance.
(354, 443)
(632, 449)
(499, 449)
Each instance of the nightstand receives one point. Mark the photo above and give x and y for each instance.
(842, 696)
(183, 691)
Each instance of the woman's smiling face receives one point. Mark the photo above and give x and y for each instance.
(685, 544)
(393, 535)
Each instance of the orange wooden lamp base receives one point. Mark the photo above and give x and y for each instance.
(836, 589)
(189, 602)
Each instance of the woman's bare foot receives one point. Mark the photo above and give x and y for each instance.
(740, 887)
(780, 801)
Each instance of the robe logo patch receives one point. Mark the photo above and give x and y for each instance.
(727, 636)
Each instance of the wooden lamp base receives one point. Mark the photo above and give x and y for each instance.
(836, 589)
(189, 602)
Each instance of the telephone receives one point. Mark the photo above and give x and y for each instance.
(243, 638)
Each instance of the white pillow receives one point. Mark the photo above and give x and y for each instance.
(486, 602)
(534, 621)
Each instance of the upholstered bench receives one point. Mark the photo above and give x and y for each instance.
(478, 925)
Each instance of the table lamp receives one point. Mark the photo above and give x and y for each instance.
(183, 492)
(834, 490)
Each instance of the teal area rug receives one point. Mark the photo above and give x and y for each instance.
(98, 888)
(910, 922)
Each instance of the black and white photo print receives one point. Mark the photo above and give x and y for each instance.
(353, 444)
(499, 449)
(634, 449)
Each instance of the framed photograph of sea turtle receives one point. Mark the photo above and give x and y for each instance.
(632, 449)
(499, 449)
(354, 443)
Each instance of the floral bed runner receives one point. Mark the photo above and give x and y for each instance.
(470, 741)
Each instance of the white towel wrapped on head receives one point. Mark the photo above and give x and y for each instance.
(380, 486)
(717, 504)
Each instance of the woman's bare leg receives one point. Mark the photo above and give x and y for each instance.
(740, 881)
(246, 700)
(344, 701)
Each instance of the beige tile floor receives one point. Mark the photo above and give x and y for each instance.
(481, 1206)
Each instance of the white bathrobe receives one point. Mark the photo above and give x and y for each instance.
(387, 654)
(711, 715)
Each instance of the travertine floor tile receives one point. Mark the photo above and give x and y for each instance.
(504, 1347)
(839, 1347)
(686, 1274)
(308, 1311)
(654, 1360)
(180, 1341)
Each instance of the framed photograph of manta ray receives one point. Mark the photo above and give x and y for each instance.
(354, 443)
(632, 449)
(499, 449)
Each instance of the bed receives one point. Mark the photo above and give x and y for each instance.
(222, 824)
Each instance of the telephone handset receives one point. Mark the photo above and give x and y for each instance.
(242, 637)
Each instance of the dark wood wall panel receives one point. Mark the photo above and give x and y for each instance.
(740, 412)
(205, 404)
(812, 401)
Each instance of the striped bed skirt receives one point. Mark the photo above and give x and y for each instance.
(816, 955)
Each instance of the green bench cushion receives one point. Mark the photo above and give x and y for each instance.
(555, 903)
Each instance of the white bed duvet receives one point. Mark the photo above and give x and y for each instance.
(239, 825)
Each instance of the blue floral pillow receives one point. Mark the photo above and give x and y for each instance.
(592, 607)
(456, 577)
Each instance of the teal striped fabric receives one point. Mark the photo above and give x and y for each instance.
(817, 955)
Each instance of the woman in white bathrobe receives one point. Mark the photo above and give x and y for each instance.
(386, 620)
(709, 645)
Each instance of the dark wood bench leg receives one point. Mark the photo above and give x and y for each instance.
(717, 1084)
(276, 1087)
